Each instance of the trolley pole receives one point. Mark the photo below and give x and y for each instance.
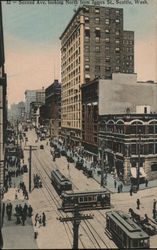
(139, 161)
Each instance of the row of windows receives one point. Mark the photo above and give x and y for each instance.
(97, 48)
(97, 10)
(97, 20)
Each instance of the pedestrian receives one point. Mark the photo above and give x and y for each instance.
(154, 214)
(118, 188)
(121, 187)
(146, 182)
(131, 191)
(36, 219)
(115, 184)
(68, 166)
(40, 221)
(30, 210)
(23, 218)
(138, 203)
(25, 208)
(146, 218)
(154, 204)
(44, 219)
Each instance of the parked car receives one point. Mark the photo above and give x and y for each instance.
(63, 153)
(41, 146)
(79, 165)
(57, 153)
(70, 159)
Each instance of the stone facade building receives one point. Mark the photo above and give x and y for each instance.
(93, 45)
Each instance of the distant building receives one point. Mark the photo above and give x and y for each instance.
(16, 112)
(50, 113)
(110, 109)
(93, 45)
(37, 96)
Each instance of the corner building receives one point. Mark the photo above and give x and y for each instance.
(93, 45)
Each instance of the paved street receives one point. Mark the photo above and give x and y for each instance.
(91, 233)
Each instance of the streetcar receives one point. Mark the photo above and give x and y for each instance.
(86, 200)
(125, 232)
(60, 182)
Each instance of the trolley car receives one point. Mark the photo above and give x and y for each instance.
(86, 200)
(60, 182)
(125, 232)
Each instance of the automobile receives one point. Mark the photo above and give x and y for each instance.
(57, 153)
(70, 159)
(79, 165)
(41, 146)
(25, 169)
(63, 153)
(26, 138)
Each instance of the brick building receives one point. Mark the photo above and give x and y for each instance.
(50, 113)
(94, 44)
(114, 111)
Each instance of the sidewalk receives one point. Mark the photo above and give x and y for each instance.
(17, 236)
(126, 188)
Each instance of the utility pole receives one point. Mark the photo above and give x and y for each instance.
(76, 220)
(30, 167)
(139, 161)
(30, 164)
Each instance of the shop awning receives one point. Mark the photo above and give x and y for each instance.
(134, 173)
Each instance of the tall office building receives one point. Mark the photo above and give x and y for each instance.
(93, 45)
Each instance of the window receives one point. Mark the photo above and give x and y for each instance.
(107, 59)
(86, 59)
(117, 49)
(107, 21)
(87, 49)
(87, 33)
(97, 10)
(97, 32)
(117, 68)
(97, 20)
(107, 31)
(86, 9)
(97, 39)
(154, 167)
(117, 41)
(97, 48)
(86, 20)
(97, 68)
(87, 68)
(107, 39)
(107, 68)
(117, 21)
(117, 33)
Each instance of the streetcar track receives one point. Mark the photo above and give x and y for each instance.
(87, 223)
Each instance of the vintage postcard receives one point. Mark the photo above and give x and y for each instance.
(78, 124)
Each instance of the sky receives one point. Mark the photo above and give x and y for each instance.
(32, 44)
